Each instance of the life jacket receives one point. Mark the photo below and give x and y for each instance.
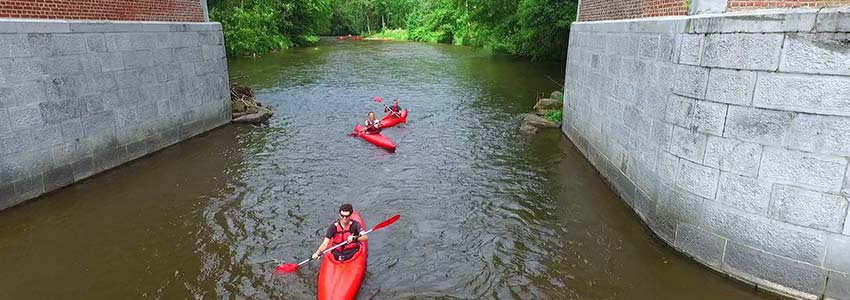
(395, 108)
(373, 126)
(342, 234)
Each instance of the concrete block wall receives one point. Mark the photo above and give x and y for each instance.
(81, 97)
(729, 135)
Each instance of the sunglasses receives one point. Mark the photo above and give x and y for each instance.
(344, 216)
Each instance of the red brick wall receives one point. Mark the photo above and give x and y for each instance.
(123, 10)
(596, 10)
(738, 5)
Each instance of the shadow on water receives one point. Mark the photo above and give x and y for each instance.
(486, 212)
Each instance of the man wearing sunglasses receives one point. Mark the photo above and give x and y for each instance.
(343, 230)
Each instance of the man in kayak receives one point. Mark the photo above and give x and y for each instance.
(343, 230)
(396, 109)
(372, 124)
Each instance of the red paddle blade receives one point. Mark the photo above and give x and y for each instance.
(386, 223)
(286, 268)
(378, 99)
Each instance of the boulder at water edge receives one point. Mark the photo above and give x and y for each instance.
(532, 123)
(545, 105)
(557, 95)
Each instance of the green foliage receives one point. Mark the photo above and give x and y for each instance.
(259, 26)
(534, 28)
(392, 34)
(555, 116)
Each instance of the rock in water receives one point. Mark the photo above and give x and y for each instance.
(545, 105)
(556, 95)
(528, 129)
(538, 121)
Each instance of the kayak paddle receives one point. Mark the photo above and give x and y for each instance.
(289, 268)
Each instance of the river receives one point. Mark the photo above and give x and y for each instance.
(486, 212)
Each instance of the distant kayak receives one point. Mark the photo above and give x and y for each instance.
(341, 280)
(389, 121)
(375, 138)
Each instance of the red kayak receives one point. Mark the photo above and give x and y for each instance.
(341, 280)
(375, 138)
(389, 121)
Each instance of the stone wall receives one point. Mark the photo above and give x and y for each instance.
(78, 98)
(729, 135)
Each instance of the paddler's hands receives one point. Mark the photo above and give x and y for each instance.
(351, 239)
(316, 255)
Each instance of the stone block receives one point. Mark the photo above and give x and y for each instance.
(72, 130)
(759, 266)
(17, 70)
(5, 121)
(821, 134)
(801, 20)
(688, 144)
(834, 20)
(761, 126)
(14, 45)
(46, 136)
(733, 156)
(731, 86)
(744, 193)
(704, 246)
(29, 187)
(63, 87)
(185, 55)
(838, 253)
(684, 206)
(72, 151)
(709, 117)
(94, 103)
(33, 25)
(56, 112)
(798, 243)
(110, 61)
(143, 41)
(109, 158)
(15, 142)
(662, 135)
(668, 167)
(821, 53)
(679, 111)
(83, 168)
(8, 197)
(40, 44)
(138, 59)
(67, 44)
(690, 52)
(38, 161)
(805, 93)
(697, 179)
(99, 123)
(58, 177)
(846, 225)
(690, 81)
(63, 65)
(92, 26)
(213, 52)
(118, 42)
(156, 27)
(27, 116)
(743, 51)
(808, 208)
(838, 286)
(164, 56)
(648, 46)
(823, 173)
(95, 43)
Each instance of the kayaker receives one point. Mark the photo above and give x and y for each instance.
(396, 109)
(344, 229)
(372, 124)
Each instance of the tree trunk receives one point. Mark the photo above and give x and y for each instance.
(368, 27)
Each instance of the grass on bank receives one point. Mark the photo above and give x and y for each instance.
(391, 34)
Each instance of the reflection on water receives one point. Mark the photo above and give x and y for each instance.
(486, 212)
